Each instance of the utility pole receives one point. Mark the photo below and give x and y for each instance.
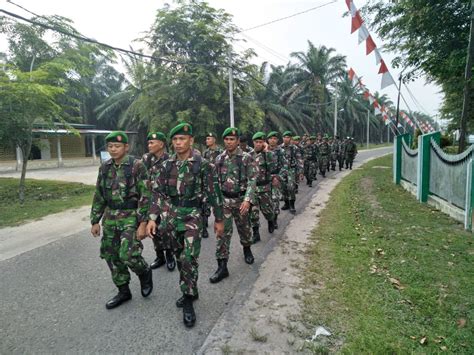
(368, 127)
(467, 85)
(335, 110)
(398, 99)
(231, 90)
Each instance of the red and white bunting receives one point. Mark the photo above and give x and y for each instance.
(357, 21)
(378, 57)
(369, 45)
(363, 33)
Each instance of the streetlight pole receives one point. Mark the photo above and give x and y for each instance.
(368, 128)
(231, 90)
(335, 110)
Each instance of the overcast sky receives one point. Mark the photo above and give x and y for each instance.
(119, 22)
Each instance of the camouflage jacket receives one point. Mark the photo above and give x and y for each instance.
(118, 195)
(351, 148)
(324, 149)
(281, 169)
(237, 174)
(152, 165)
(266, 163)
(336, 147)
(311, 152)
(211, 154)
(293, 156)
(179, 189)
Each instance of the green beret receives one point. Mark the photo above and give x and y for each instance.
(117, 137)
(272, 134)
(312, 137)
(183, 128)
(258, 135)
(296, 138)
(326, 136)
(231, 131)
(210, 134)
(160, 136)
(287, 134)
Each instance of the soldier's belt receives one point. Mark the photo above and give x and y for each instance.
(263, 183)
(127, 205)
(180, 202)
(233, 194)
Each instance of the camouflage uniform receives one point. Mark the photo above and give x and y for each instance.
(295, 167)
(178, 192)
(324, 152)
(350, 153)
(265, 162)
(334, 153)
(310, 162)
(280, 169)
(121, 198)
(210, 155)
(160, 241)
(237, 176)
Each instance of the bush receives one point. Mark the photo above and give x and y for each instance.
(445, 141)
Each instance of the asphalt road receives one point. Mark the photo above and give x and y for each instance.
(52, 298)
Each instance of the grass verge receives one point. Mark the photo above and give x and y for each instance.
(42, 198)
(387, 274)
(363, 146)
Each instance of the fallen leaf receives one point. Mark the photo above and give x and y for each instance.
(461, 323)
(396, 283)
(444, 348)
(412, 337)
(450, 263)
(423, 341)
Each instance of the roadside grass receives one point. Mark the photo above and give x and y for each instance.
(363, 146)
(386, 274)
(42, 198)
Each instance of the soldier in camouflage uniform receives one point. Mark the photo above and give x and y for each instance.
(237, 177)
(310, 154)
(266, 162)
(244, 144)
(181, 184)
(350, 152)
(324, 152)
(295, 171)
(211, 153)
(121, 200)
(280, 170)
(153, 160)
(338, 148)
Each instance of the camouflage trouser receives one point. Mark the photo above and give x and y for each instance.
(289, 185)
(334, 157)
(232, 213)
(349, 158)
(187, 255)
(310, 169)
(276, 195)
(121, 250)
(323, 164)
(162, 240)
(264, 204)
(340, 159)
(206, 213)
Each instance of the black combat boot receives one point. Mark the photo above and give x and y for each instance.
(122, 296)
(180, 301)
(159, 261)
(286, 206)
(275, 222)
(271, 226)
(205, 233)
(256, 234)
(170, 260)
(292, 206)
(350, 166)
(221, 272)
(189, 317)
(146, 282)
(310, 183)
(296, 189)
(248, 256)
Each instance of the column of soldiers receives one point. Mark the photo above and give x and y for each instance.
(169, 197)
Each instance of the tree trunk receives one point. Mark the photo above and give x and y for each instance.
(467, 85)
(25, 151)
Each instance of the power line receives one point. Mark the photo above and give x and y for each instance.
(287, 17)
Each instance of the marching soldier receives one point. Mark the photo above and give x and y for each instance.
(237, 177)
(121, 200)
(310, 161)
(153, 160)
(280, 170)
(324, 152)
(295, 171)
(211, 153)
(351, 152)
(182, 183)
(266, 162)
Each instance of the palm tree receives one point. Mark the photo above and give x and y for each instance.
(313, 74)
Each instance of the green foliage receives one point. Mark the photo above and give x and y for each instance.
(445, 140)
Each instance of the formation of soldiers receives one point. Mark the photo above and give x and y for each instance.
(169, 198)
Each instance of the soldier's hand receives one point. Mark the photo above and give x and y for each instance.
(244, 208)
(151, 229)
(219, 228)
(141, 231)
(95, 230)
